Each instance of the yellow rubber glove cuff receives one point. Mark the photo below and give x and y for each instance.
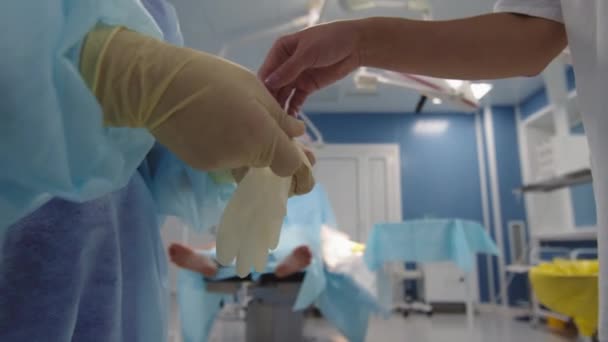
(93, 49)
(125, 83)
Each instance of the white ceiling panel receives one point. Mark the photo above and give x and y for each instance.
(335, 11)
(230, 15)
(454, 9)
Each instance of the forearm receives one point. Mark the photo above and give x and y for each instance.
(485, 47)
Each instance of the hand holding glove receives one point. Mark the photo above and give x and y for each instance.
(213, 114)
(306, 61)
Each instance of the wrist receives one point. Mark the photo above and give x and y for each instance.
(381, 41)
(364, 31)
(360, 29)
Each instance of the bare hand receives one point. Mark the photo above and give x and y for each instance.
(306, 61)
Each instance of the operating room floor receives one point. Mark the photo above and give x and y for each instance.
(489, 326)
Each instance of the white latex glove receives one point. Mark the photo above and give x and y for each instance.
(213, 114)
(251, 224)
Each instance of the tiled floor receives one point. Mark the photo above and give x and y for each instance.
(488, 327)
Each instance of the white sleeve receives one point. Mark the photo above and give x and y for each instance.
(547, 9)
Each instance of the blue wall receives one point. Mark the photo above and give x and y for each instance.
(533, 103)
(509, 178)
(570, 78)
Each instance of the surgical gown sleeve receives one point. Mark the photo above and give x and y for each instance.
(52, 140)
(178, 189)
(547, 9)
(184, 192)
(165, 16)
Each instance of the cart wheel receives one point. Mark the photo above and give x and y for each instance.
(429, 314)
(405, 313)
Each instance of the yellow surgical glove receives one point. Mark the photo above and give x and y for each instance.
(302, 181)
(213, 114)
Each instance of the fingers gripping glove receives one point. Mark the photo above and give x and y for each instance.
(251, 224)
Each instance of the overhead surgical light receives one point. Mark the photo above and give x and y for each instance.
(456, 84)
(357, 5)
(431, 127)
(365, 80)
(315, 8)
(480, 89)
(413, 5)
(419, 5)
(435, 89)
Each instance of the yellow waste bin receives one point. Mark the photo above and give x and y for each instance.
(569, 287)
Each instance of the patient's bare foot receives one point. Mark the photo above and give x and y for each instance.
(187, 258)
(298, 260)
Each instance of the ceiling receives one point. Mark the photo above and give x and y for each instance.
(208, 24)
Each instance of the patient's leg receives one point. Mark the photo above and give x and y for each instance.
(295, 262)
(187, 258)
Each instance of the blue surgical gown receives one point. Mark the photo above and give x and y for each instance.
(91, 271)
(81, 257)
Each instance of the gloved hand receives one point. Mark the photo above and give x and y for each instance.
(213, 114)
(309, 60)
(299, 184)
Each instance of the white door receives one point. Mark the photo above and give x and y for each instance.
(363, 185)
